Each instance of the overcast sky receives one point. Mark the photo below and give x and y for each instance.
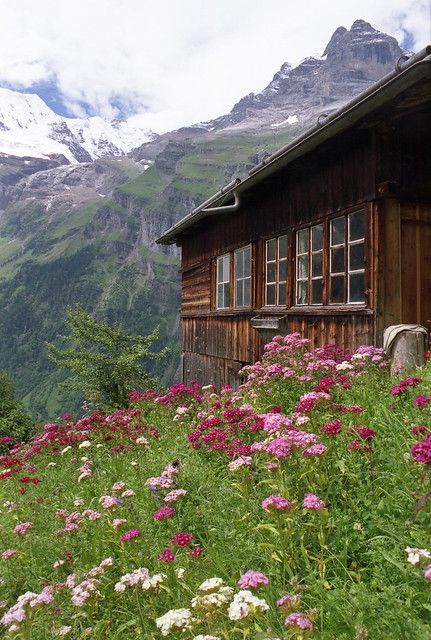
(182, 60)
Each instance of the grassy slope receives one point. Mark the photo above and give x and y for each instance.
(347, 561)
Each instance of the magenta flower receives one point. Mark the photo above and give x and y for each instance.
(130, 535)
(421, 452)
(278, 503)
(311, 501)
(421, 401)
(252, 579)
(365, 432)
(196, 552)
(21, 529)
(166, 556)
(280, 448)
(331, 428)
(314, 450)
(164, 513)
(181, 539)
(299, 620)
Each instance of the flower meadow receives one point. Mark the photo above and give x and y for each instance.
(297, 506)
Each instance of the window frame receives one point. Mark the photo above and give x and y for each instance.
(223, 283)
(277, 261)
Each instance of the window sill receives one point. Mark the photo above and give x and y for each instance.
(320, 310)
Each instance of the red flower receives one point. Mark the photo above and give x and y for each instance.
(181, 539)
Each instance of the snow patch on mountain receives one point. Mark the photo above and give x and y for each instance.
(28, 127)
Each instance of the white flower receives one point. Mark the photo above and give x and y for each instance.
(66, 449)
(133, 463)
(344, 366)
(153, 582)
(84, 444)
(414, 555)
(181, 410)
(179, 572)
(64, 630)
(211, 584)
(179, 618)
(51, 464)
(205, 637)
(141, 440)
(245, 604)
(58, 563)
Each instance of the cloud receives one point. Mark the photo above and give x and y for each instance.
(180, 61)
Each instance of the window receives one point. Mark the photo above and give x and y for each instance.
(242, 261)
(347, 259)
(338, 243)
(309, 265)
(223, 282)
(276, 272)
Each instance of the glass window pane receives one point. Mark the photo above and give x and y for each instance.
(356, 287)
(270, 249)
(302, 241)
(337, 260)
(302, 292)
(357, 225)
(247, 262)
(317, 237)
(270, 294)
(356, 256)
(302, 266)
(316, 291)
(316, 264)
(226, 295)
(337, 231)
(270, 272)
(337, 289)
(247, 293)
(282, 271)
(282, 247)
(239, 267)
(282, 294)
(239, 293)
(219, 296)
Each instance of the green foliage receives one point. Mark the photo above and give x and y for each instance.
(14, 422)
(106, 361)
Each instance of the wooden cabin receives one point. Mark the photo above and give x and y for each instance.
(330, 236)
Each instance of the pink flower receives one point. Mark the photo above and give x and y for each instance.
(277, 503)
(21, 529)
(315, 450)
(288, 602)
(181, 539)
(166, 556)
(129, 493)
(427, 572)
(118, 486)
(164, 513)
(311, 501)
(196, 552)
(173, 495)
(251, 579)
(280, 448)
(299, 620)
(130, 535)
(8, 553)
(117, 522)
(108, 502)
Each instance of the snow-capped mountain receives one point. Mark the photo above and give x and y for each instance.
(28, 127)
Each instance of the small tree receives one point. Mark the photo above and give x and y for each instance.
(14, 422)
(106, 362)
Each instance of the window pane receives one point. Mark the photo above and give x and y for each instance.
(302, 266)
(357, 225)
(337, 260)
(356, 256)
(219, 270)
(282, 294)
(270, 249)
(316, 291)
(247, 296)
(239, 268)
(302, 241)
(247, 261)
(337, 231)
(316, 264)
(270, 294)
(270, 272)
(239, 293)
(282, 247)
(282, 271)
(337, 289)
(302, 292)
(356, 287)
(226, 295)
(317, 237)
(219, 296)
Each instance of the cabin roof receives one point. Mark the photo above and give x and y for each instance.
(406, 74)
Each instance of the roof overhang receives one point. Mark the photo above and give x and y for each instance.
(406, 75)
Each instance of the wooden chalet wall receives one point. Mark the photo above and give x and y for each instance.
(341, 175)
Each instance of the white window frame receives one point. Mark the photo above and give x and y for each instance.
(240, 255)
(277, 261)
(223, 280)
